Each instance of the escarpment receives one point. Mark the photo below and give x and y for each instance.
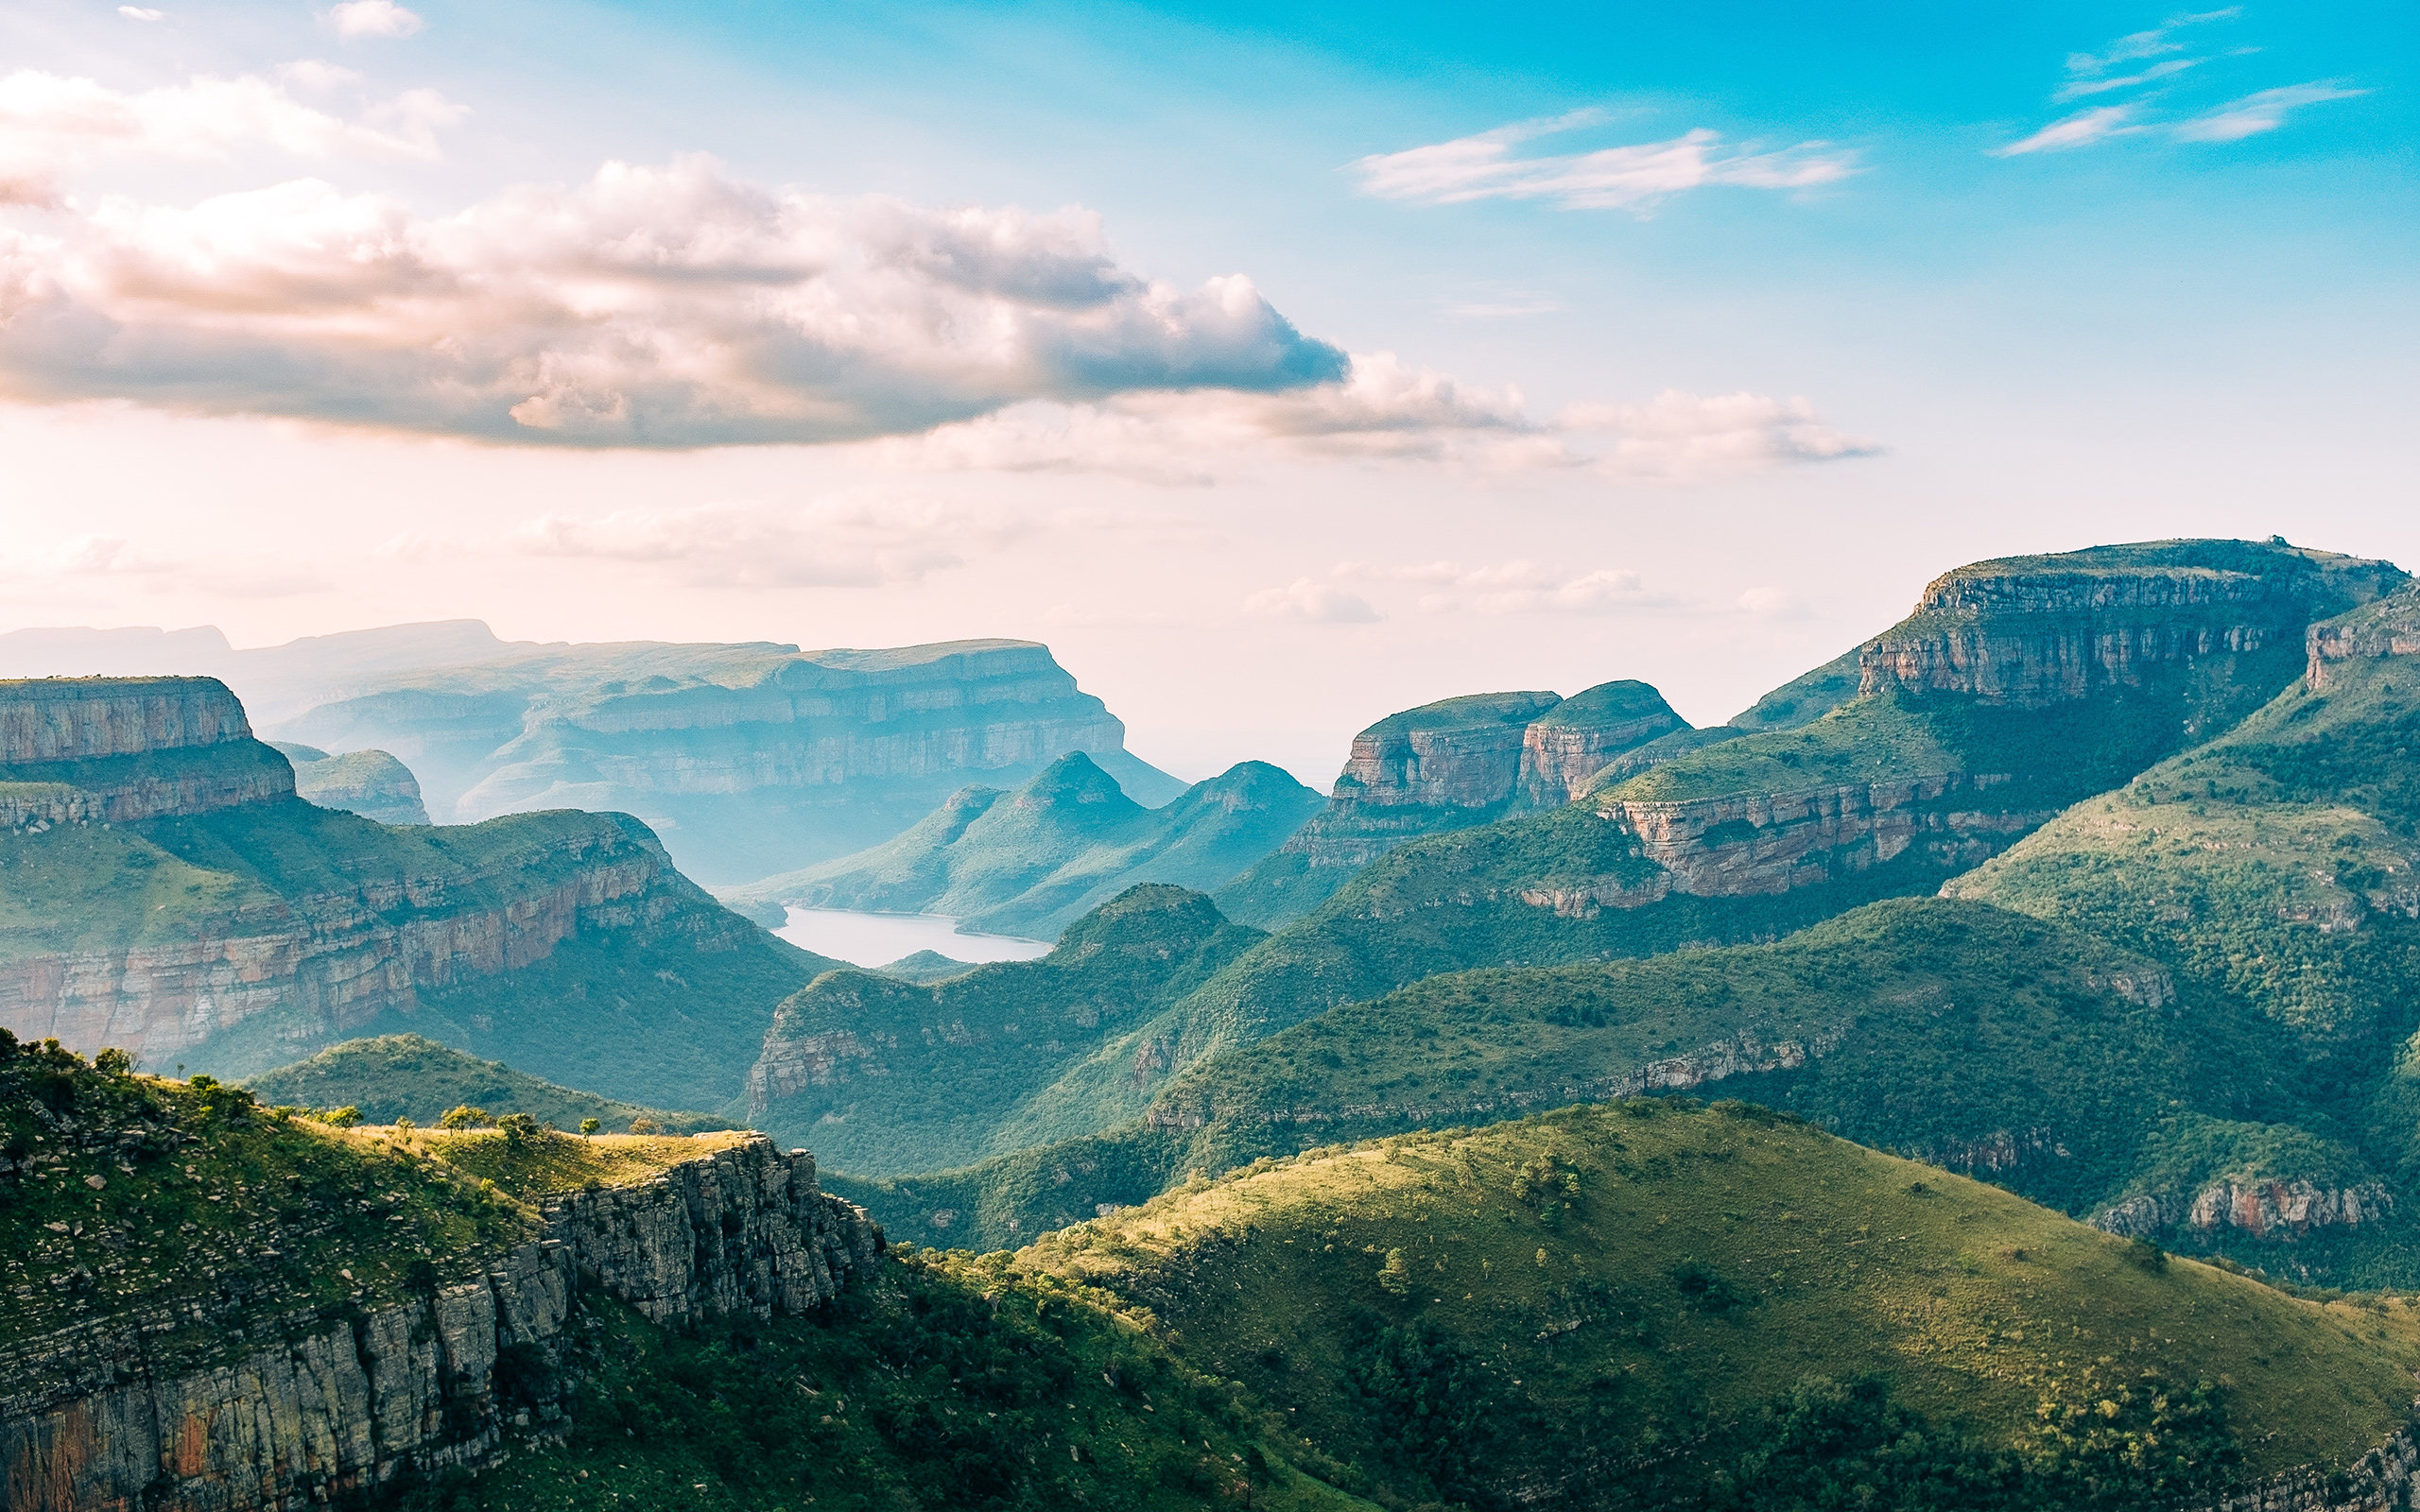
(119, 751)
(750, 758)
(302, 1405)
(168, 894)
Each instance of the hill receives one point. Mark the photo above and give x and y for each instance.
(885, 1075)
(368, 782)
(1724, 1307)
(1031, 862)
(1446, 765)
(2017, 688)
(2274, 869)
(752, 759)
(925, 967)
(404, 1076)
(581, 1322)
(166, 892)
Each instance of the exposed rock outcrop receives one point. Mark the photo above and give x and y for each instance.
(119, 751)
(2264, 1207)
(749, 759)
(2391, 626)
(309, 1408)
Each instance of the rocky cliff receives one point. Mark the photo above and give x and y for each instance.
(2390, 627)
(749, 759)
(119, 751)
(1445, 765)
(301, 1405)
(151, 910)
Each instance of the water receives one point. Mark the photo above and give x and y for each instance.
(878, 939)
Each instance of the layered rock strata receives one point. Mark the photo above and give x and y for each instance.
(310, 1409)
(120, 750)
(368, 782)
(2391, 626)
(2265, 1209)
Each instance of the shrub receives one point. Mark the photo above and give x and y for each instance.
(518, 1127)
(465, 1116)
(589, 1126)
(644, 1124)
(111, 1061)
(1395, 1274)
(345, 1117)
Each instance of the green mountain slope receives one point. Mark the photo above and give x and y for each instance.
(368, 782)
(2018, 688)
(2273, 867)
(1726, 1308)
(1033, 861)
(883, 1075)
(407, 1076)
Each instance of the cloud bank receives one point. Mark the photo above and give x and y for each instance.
(1486, 168)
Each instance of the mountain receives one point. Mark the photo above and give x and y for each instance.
(404, 1076)
(1446, 765)
(746, 759)
(886, 1076)
(1659, 1304)
(166, 893)
(2274, 869)
(1032, 862)
(211, 1305)
(368, 782)
(926, 966)
(2017, 688)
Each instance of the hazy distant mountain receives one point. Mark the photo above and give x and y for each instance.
(744, 758)
(1033, 861)
(368, 782)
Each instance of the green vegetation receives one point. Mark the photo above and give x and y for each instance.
(405, 1076)
(132, 1198)
(368, 782)
(1726, 1307)
(879, 1075)
(2031, 1053)
(1033, 861)
(926, 966)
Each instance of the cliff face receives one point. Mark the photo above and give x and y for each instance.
(152, 912)
(750, 760)
(368, 782)
(2390, 627)
(1441, 766)
(315, 1408)
(119, 751)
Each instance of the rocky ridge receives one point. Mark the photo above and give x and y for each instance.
(368, 782)
(105, 750)
(306, 1408)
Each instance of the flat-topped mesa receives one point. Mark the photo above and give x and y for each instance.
(118, 750)
(2030, 631)
(1576, 739)
(2390, 627)
(1454, 754)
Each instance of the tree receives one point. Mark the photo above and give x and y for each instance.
(404, 1126)
(518, 1127)
(465, 1116)
(589, 1126)
(111, 1061)
(1395, 1276)
(344, 1117)
(644, 1124)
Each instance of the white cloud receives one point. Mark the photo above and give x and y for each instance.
(50, 125)
(1518, 586)
(1772, 603)
(670, 306)
(373, 18)
(2082, 87)
(2256, 113)
(858, 542)
(1680, 435)
(1483, 168)
(2081, 129)
(1311, 602)
(140, 14)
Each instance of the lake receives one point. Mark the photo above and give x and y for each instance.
(878, 939)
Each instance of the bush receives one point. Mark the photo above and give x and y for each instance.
(518, 1127)
(345, 1117)
(465, 1116)
(589, 1126)
(111, 1061)
(644, 1124)
(1395, 1274)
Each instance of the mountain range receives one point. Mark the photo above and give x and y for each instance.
(2049, 954)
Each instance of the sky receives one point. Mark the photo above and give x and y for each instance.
(1279, 371)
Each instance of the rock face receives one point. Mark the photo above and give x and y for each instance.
(2264, 1208)
(329, 1408)
(1441, 766)
(221, 922)
(2391, 626)
(750, 758)
(119, 751)
(368, 782)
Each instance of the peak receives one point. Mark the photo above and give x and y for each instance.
(1626, 699)
(1469, 711)
(1074, 778)
(1147, 911)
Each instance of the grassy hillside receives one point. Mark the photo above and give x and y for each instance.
(936, 1385)
(408, 1076)
(1724, 1307)
(2027, 1053)
(1532, 891)
(1033, 861)
(881, 1075)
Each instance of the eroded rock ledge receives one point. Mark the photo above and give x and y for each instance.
(325, 1406)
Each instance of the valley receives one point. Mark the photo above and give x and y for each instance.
(1980, 1074)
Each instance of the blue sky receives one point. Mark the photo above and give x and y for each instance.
(1764, 316)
